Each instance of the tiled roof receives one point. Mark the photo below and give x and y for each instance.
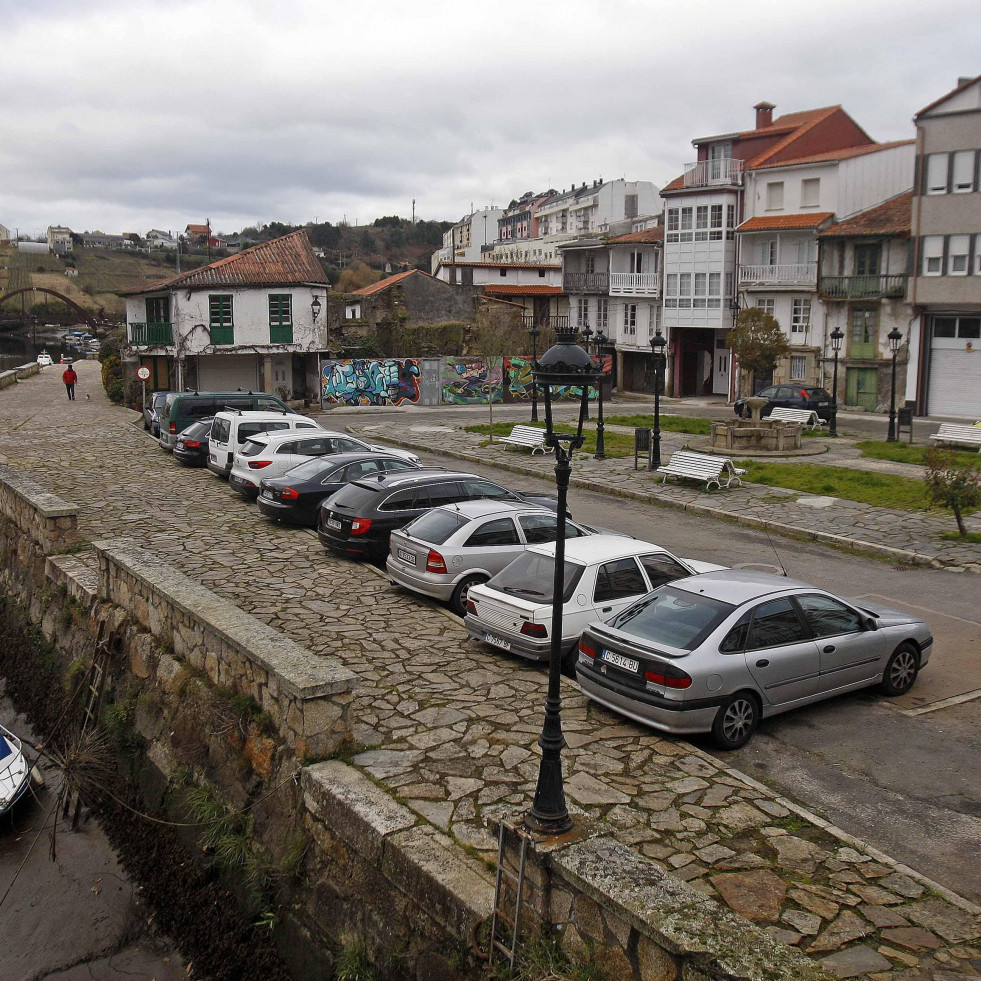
(765, 223)
(530, 290)
(198, 229)
(383, 284)
(832, 155)
(890, 218)
(286, 261)
(648, 236)
(503, 265)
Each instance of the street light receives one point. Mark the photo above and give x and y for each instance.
(660, 360)
(895, 336)
(534, 333)
(564, 365)
(600, 453)
(836, 337)
(734, 311)
(315, 307)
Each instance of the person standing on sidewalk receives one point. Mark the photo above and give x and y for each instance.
(70, 378)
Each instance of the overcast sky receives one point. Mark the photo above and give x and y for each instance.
(125, 116)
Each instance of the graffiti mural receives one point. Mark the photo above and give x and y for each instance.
(468, 382)
(372, 381)
(519, 378)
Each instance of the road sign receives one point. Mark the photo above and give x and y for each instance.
(143, 373)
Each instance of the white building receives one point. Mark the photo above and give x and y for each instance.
(468, 239)
(59, 239)
(157, 239)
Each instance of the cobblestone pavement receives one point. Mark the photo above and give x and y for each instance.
(451, 729)
(902, 535)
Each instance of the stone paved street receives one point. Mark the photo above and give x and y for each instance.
(451, 728)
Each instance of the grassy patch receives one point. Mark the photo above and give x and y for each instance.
(669, 424)
(907, 453)
(971, 538)
(615, 444)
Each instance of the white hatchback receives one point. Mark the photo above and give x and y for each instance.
(232, 428)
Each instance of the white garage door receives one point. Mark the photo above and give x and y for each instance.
(227, 372)
(955, 383)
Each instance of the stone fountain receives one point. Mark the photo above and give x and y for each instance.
(754, 434)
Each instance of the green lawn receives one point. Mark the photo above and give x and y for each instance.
(669, 424)
(907, 453)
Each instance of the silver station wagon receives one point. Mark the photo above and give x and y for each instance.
(445, 551)
(719, 651)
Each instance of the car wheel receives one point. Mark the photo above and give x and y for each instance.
(458, 601)
(901, 671)
(736, 720)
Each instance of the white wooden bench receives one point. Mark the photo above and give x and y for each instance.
(527, 436)
(808, 418)
(951, 432)
(718, 470)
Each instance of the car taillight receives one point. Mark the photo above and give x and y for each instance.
(435, 563)
(258, 464)
(534, 629)
(584, 648)
(173, 428)
(669, 676)
(359, 526)
(471, 607)
(193, 442)
(289, 494)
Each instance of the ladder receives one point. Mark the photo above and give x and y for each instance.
(500, 915)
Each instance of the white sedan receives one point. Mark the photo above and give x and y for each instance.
(604, 574)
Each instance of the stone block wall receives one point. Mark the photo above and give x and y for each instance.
(46, 520)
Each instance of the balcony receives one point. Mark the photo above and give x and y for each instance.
(151, 334)
(556, 323)
(789, 276)
(710, 173)
(586, 283)
(863, 287)
(635, 284)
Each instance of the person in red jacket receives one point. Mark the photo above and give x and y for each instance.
(70, 378)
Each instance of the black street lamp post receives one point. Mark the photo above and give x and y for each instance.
(600, 453)
(587, 335)
(660, 360)
(836, 337)
(564, 365)
(895, 336)
(534, 333)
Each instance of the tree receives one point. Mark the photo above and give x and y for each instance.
(952, 484)
(497, 334)
(757, 341)
(356, 276)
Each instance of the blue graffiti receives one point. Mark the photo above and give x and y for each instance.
(385, 381)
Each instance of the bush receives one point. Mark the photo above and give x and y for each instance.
(112, 378)
(953, 484)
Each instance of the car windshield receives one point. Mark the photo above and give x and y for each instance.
(435, 526)
(311, 469)
(531, 575)
(672, 617)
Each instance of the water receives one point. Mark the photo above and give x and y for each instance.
(22, 347)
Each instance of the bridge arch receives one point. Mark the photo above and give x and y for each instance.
(81, 311)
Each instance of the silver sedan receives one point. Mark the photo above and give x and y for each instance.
(718, 652)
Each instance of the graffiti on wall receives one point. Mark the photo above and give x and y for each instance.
(371, 381)
(519, 378)
(468, 382)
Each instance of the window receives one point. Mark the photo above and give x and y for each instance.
(977, 255)
(539, 528)
(220, 313)
(936, 173)
(865, 328)
(686, 219)
(480, 489)
(810, 192)
(590, 263)
(933, 255)
(867, 260)
(800, 315)
(158, 310)
(798, 367)
(827, 617)
(602, 314)
(617, 580)
(775, 624)
(768, 253)
(352, 311)
(662, 568)
(958, 248)
(967, 328)
(501, 531)
(630, 318)
(672, 219)
(582, 311)
(962, 181)
(280, 318)
(701, 223)
(774, 195)
(503, 273)
(944, 326)
(715, 222)
(701, 285)
(637, 262)
(671, 290)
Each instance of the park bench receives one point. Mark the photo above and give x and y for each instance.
(950, 432)
(528, 436)
(718, 470)
(808, 418)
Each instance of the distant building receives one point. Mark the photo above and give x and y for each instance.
(103, 240)
(157, 239)
(38, 248)
(4, 234)
(59, 239)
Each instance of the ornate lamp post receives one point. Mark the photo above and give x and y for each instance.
(587, 336)
(600, 453)
(734, 311)
(565, 365)
(836, 337)
(895, 337)
(660, 360)
(534, 333)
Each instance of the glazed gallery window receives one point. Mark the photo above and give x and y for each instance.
(582, 311)
(800, 315)
(602, 314)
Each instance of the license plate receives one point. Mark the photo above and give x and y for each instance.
(406, 556)
(498, 642)
(334, 523)
(822, 404)
(627, 663)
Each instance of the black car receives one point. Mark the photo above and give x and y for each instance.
(191, 448)
(358, 519)
(789, 397)
(296, 495)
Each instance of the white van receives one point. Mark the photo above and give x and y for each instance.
(232, 428)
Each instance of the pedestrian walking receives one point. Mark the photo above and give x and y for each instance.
(70, 378)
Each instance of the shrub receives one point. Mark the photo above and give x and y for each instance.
(953, 484)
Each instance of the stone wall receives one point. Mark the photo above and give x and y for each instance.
(47, 521)
(14, 375)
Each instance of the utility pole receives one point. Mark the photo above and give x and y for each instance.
(413, 212)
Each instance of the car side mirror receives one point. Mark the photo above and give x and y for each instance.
(870, 624)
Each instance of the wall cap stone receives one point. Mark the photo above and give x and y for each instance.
(81, 581)
(45, 503)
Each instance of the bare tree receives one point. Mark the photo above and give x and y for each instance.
(497, 334)
(952, 484)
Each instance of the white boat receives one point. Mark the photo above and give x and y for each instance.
(15, 774)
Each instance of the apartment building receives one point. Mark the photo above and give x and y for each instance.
(945, 287)
(59, 239)
(469, 238)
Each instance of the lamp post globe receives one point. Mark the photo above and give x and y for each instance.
(659, 360)
(836, 338)
(534, 333)
(894, 336)
(567, 366)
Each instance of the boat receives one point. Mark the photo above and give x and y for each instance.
(15, 773)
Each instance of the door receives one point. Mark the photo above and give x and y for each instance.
(867, 269)
(861, 388)
(849, 653)
(720, 376)
(863, 342)
(618, 584)
(782, 659)
(954, 388)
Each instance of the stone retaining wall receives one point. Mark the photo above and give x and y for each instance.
(14, 375)
(48, 522)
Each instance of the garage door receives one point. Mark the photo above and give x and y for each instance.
(227, 372)
(955, 383)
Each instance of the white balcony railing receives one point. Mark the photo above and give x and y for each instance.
(635, 284)
(705, 173)
(793, 274)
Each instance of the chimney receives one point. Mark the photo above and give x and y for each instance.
(764, 114)
(963, 80)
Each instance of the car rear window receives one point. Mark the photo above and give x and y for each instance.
(248, 429)
(196, 408)
(220, 430)
(355, 497)
(672, 618)
(530, 576)
(198, 430)
(436, 526)
(816, 393)
(253, 447)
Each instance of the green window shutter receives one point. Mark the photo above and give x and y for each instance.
(280, 318)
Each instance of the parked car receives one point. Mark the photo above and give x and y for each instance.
(789, 397)
(718, 652)
(604, 574)
(151, 412)
(233, 427)
(44, 360)
(180, 409)
(358, 519)
(445, 551)
(268, 455)
(296, 496)
(191, 448)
